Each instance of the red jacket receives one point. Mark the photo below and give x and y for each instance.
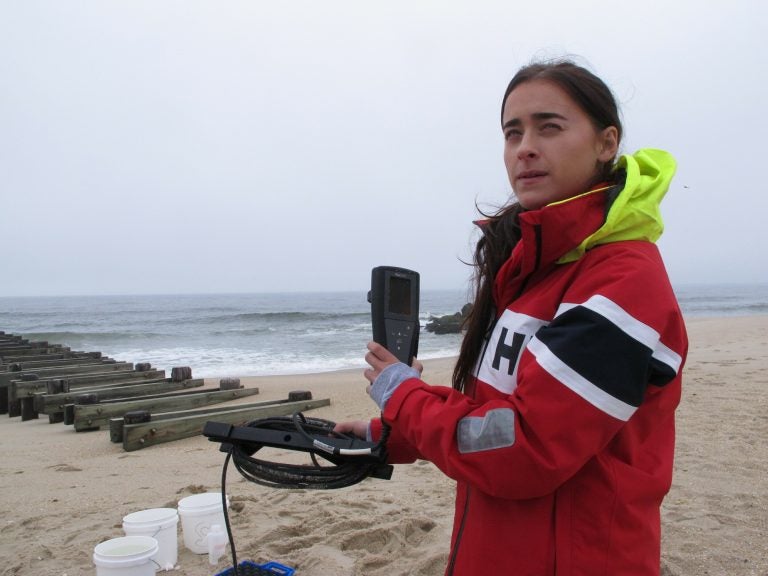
(562, 446)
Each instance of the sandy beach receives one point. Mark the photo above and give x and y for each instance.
(64, 492)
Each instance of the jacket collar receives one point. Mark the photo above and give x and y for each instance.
(563, 231)
(547, 235)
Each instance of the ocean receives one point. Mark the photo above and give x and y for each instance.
(219, 335)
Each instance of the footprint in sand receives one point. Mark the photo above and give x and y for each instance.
(65, 468)
(192, 489)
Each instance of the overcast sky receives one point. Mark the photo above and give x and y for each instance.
(151, 146)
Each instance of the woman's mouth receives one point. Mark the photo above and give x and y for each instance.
(530, 176)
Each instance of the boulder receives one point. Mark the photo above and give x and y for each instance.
(450, 323)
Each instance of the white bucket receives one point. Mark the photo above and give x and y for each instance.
(198, 513)
(160, 523)
(126, 556)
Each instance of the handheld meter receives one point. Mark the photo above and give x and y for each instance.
(394, 298)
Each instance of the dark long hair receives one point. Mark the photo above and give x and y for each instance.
(501, 230)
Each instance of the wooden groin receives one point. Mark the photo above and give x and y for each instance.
(89, 391)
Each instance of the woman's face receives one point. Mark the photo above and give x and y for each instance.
(551, 147)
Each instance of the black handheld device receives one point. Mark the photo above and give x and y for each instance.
(394, 298)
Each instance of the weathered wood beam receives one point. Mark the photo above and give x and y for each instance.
(33, 365)
(28, 351)
(112, 379)
(53, 403)
(93, 416)
(19, 380)
(25, 343)
(157, 431)
(5, 360)
(65, 371)
(116, 424)
(136, 416)
(71, 373)
(9, 337)
(108, 378)
(8, 342)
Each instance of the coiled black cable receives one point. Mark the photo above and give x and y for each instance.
(340, 469)
(343, 466)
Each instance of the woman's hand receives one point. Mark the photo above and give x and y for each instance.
(378, 357)
(386, 373)
(357, 428)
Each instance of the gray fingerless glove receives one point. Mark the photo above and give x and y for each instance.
(388, 381)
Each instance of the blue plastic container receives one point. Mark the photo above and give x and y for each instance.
(248, 568)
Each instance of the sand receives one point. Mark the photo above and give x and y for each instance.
(63, 492)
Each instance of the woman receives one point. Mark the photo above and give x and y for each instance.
(559, 428)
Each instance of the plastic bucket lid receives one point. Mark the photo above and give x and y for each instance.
(200, 504)
(152, 518)
(125, 551)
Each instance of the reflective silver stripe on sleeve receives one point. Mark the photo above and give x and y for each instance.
(494, 430)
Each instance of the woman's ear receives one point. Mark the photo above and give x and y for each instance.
(609, 144)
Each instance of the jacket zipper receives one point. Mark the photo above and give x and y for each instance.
(454, 553)
(536, 264)
(455, 550)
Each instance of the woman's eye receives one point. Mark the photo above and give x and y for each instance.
(550, 127)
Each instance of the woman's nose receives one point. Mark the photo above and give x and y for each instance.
(527, 148)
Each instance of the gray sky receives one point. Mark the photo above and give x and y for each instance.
(151, 146)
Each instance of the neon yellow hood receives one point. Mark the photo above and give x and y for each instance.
(635, 213)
